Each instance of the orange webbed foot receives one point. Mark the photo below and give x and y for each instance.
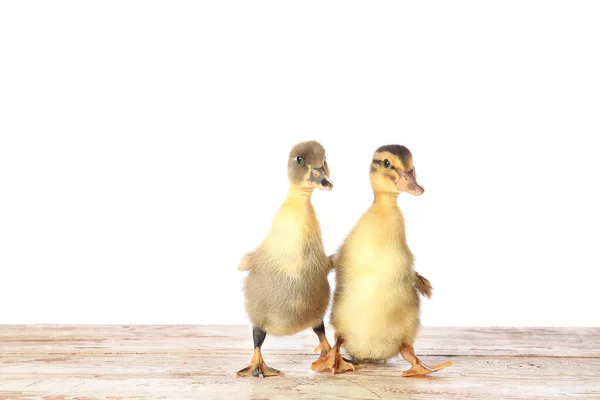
(258, 367)
(333, 361)
(257, 370)
(418, 368)
(424, 369)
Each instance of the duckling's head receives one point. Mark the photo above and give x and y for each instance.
(307, 167)
(392, 170)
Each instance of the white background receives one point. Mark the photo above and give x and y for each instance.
(144, 144)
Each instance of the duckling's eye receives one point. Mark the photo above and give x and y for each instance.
(386, 163)
(299, 160)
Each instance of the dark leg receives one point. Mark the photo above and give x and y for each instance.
(323, 346)
(258, 335)
(257, 366)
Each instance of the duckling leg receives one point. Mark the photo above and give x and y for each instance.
(324, 345)
(257, 366)
(333, 360)
(418, 367)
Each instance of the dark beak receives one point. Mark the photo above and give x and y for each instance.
(319, 179)
(326, 183)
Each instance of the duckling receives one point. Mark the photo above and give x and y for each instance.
(376, 312)
(286, 289)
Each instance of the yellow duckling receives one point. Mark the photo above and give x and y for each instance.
(376, 306)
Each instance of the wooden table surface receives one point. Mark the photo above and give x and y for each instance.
(94, 362)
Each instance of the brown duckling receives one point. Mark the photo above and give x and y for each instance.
(286, 289)
(376, 306)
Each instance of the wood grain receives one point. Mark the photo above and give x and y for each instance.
(102, 362)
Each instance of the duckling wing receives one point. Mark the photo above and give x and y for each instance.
(245, 264)
(423, 285)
